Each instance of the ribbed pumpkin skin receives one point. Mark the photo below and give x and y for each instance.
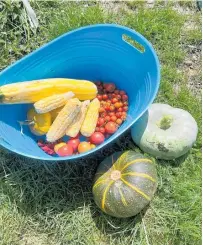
(124, 184)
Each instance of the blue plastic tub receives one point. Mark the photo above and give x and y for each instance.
(96, 52)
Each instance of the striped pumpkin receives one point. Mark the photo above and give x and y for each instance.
(124, 184)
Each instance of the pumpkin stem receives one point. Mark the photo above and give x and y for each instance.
(115, 175)
(165, 122)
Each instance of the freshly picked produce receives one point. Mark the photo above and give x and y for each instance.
(165, 132)
(33, 91)
(63, 120)
(124, 184)
(39, 124)
(75, 126)
(91, 117)
(52, 102)
(58, 112)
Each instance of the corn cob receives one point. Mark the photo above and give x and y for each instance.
(75, 126)
(32, 91)
(90, 121)
(52, 102)
(63, 120)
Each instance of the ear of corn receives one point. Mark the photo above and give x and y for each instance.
(75, 126)
(52, 102)
(63, 120)
(90, 121)
(32, 91)
(41, 122)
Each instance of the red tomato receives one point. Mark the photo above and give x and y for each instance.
(114, 100)
(100, 121)
(113, 95)
(99, 97)
(116, 92)
(118, 97)
(112, 108)
(101, 109)
(66, 150)
(111, 114)
(118, 114)
(110, 127)
(107, 118)
(74, 143)
(122, 92)
(113, 118)
(125, 108)
(102, 130)
(110, 87)
(97, 138)
(104, 96)
(124, 97)
(120, 109)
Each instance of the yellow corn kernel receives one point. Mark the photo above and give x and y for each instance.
(90, 121)
(63, 120)
(75, 126)
(52, 102)
(32, 91)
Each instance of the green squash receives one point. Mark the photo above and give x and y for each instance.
(124, 184)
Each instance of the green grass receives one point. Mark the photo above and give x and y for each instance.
(45, 204)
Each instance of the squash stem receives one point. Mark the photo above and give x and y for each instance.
(166, 122)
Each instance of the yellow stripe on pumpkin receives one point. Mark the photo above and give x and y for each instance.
(97, 183)
(122, 197)
(146, 176)
(136, 189)
(136, 161)
(104, 195)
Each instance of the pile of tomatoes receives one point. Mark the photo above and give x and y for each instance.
(112, 113)
(113, 110)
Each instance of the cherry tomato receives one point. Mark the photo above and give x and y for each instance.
(57, 146)
(66, 150)
(125, 103)
(117, 105)
(113, 118)
(74, 143)
(104, 96)
(120, 109)
(102, 130)
(124, 97)
(98, 83)
(113, 95)
(125, 108)
(114, 100)
(124, 113)
(111, 127)
(103, 114)
(99, 97)
(97, 129)
(118, 97)
(119, 121)
(112, 113)
(118, 114)
(84, 146)
(97, 138)
(109, 102)
(100, 121)
(110, 87)
(101, 109)
(122, 92)
(112, 108)
(107, 118)
(116, 92)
